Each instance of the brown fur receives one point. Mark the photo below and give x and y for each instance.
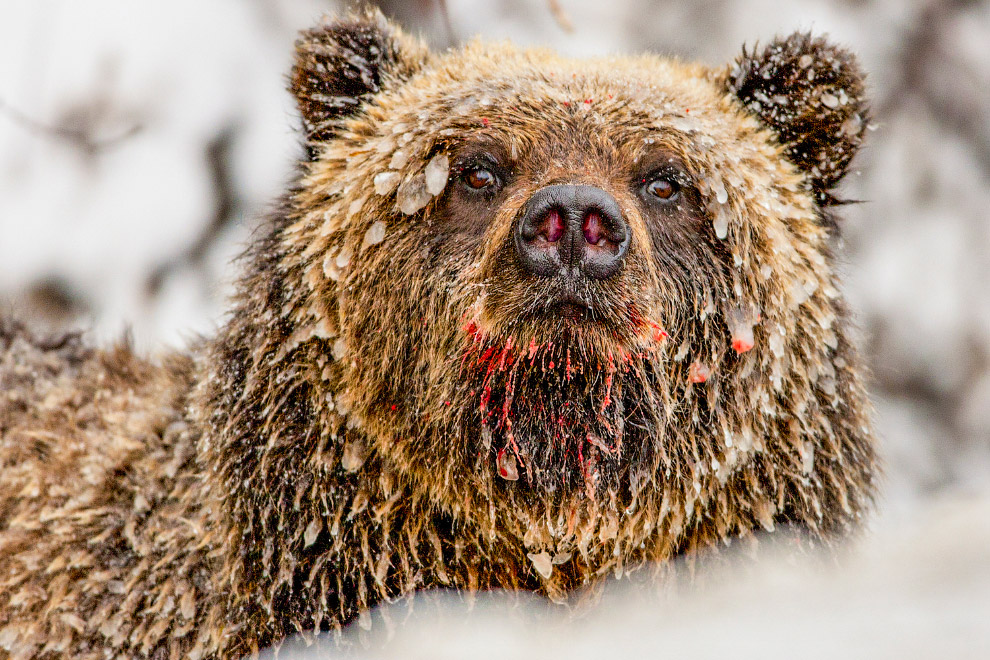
(338, 443)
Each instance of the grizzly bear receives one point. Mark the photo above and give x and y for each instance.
(523, 322)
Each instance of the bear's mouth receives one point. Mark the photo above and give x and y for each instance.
(569, 306)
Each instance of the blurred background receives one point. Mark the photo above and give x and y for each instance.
(141, 141)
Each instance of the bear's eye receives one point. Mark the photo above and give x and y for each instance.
(663, 187)
(479, 178)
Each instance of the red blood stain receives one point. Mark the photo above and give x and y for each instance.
(741, 345)
(393, 406)
(659, 334)
(506, 464)
(698, 372)
(550, 365)
(484, 120)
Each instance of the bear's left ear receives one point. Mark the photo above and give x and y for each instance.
(343, 62)
(811, 93)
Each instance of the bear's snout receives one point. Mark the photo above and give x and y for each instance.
(570, 230)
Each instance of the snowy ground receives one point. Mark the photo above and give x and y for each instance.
(140, 141)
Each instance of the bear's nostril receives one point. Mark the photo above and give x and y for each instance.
(553, 227)
(593, 232)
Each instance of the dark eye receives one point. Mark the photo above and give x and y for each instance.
(663, 188)
(479, 178)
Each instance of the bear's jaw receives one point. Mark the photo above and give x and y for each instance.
(556, 417)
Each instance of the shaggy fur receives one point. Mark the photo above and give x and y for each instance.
(395, 404)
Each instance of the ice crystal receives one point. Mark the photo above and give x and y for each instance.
(437, 171)
(385, 182)
(374, 235)
(413, 195)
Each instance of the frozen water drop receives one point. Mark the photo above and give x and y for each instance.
(721, 223)
(776, 342)
(830, 100)
(741, 321)
(399, 160)
(413, 195)
(698, 372)
(385, 182)
(344, 257)
(312, 531)
(506, 464)
(354, 456)
(542, 562)
(374, 235)
(437, 171)
(355, 207)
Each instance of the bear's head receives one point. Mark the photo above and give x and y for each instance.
(582, 288)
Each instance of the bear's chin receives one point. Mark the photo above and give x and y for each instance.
(561, 419)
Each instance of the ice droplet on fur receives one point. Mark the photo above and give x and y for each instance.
(721, 222)
(374, 235)
(436, 173)
(385, 182)
(718, 187)
(741, 321)
(399, 160)
(506, 464)
(353, 457)
(413, 195)
(339, 349)
(542, 562)
(312, 531)
(808, 458)
(776, 342)
(698, 372)
(344, 257)
(830, 100)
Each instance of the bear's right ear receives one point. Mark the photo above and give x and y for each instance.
(341, 63)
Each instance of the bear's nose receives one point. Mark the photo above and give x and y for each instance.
(568, 228)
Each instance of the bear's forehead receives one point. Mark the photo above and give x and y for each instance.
(493, 90)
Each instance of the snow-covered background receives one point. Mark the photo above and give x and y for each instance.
(140, 142)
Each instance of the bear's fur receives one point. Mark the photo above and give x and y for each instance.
(395, 404)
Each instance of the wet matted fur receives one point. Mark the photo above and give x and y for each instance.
(395, 403)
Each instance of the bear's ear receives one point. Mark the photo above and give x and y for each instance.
(341, 63)
(811, 93)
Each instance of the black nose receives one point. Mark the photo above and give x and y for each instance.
(566, 228)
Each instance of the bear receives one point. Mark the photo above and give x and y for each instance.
(522, 322)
